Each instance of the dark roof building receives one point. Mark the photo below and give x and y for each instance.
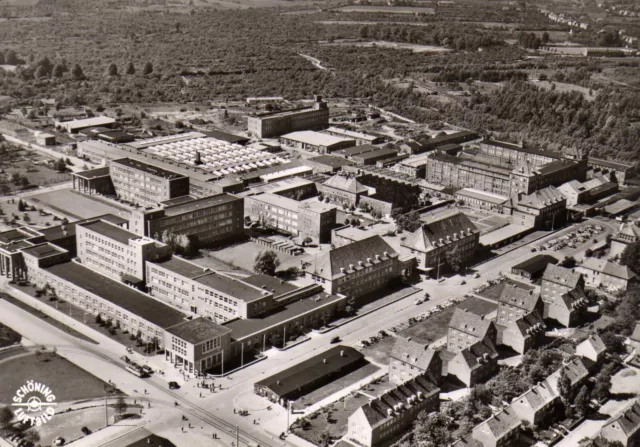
(310, 374)
(534, 266)
(197, 330)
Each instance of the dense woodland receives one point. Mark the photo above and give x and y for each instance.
(156, 56)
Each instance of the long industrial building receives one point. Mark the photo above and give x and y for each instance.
(274, 124)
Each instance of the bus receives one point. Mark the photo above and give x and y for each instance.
(136, 370)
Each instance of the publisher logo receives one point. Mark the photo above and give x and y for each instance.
(35, 402)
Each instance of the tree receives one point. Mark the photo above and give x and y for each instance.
(454, 259)
(21, 206)
(266, 262)
(275, 340)
(147, 69)
(568, 262)
(564, 386)
(99, 320)
(432, 430)
(120, 405)
(32, 436)
(631, 256)
(60, 166)
(545, 37)
(582, 401)
(77, 73)
(58, 71)
(306, 241)
(131, 69)
(364, 31)
(6, 416)
(603, 382)
(350, 309)
(24, 181)
(588, 253)
(112, 70)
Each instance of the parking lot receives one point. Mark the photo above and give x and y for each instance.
(586, 234)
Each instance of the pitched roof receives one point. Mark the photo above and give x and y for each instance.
(435, 232)
(538, 396)
(348, 256)
(576, 370)
(349, 184)
(479, 353)
(417, 354)
(628, 419)
(541, 198)
(608, 268)
(574, 299)
(560, 275)
(530, 323)
(518, 297)
(536, 263)
(596, 343)
(470, 323)
(500, 424)
(397, 400)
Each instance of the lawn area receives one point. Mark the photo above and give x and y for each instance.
(242, 256)
(478, 306)
(8, 336)
(429, 329)
(53, 322)
(335, 386)
(30, 215)
(379, 352)
(66, 380)
(76, 205)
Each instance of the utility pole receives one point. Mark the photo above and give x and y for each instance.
(106, 411)
(284, 339)
(242, 355)
(288, 413)
(222, 364)
(264, 342)
(237, 436)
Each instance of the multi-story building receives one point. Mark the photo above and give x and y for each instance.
(343, 190)
(355, 269)
(425, 143)
(202, 291)
(359, 137)
(482, 199)
(475, 363)
(415, 166)
(387, 415)
(116, 252)
(514, 153)
(562, 291)
(449, 240)
(410, 358)
(617, 171)
(458, 172)
(587, 192)
(196, 345)
(523, 333)
(515, 302)
(206, 221)
(593, 349)
(466, 329)
(145, 184)
(93, 181)
(274, 124)
(545, 208)
(313, 219)
(527, 177)
(537, 404)
(606, 274)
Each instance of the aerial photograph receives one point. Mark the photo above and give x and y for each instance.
(329, 223)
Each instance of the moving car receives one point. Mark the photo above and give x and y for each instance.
(335, 340)
(173, 385)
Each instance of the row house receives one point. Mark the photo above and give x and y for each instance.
(467, 328)
(390, 414)
(475, 363)
(409, 359)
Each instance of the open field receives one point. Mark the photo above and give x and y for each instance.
(8, 336)
(242, 255)
(67, 381)
(335, 386)
(389, 9)
(75, 204)
(564, 87)
(395, 45)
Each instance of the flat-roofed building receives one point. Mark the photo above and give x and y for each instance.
(515, 153)
(355, 269)
(93, 181)
(414, 166)
(359, 137)
(425, 143)
(621, 171)
(448, 240)
(76, 126)
(321, 143)
(274, 124)
(146, 184)
(196, 345)
(373, 157)
(116, 252)
(388, 415)
(206, 221)
(199, 290)
(327, 163)
(482, 199)
(313, 219)
(99, 295)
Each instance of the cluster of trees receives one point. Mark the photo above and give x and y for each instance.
(266, 263)
(531, 40)
(182, 244)
(469, 39)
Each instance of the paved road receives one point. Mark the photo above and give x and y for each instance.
(217, 409)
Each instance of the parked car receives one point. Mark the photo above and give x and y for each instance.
(125, 359)
(335, 340)
(147, 369)
(173, 385)
(58, 441)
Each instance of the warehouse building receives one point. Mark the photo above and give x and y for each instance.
(274, 124)
(315, 141)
